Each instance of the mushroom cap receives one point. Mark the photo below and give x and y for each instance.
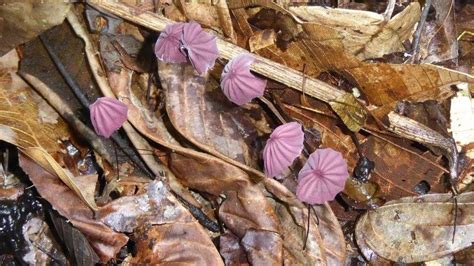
(168, 44)
(238, 84)
(200, 46)
(107, 115)
(322, 177)
(283, 147)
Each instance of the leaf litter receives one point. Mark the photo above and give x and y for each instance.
(356, 81)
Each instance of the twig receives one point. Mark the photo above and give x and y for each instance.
(202, 218)
(263, 66)
(419, 28)
(65, 111)
(413, 130)
(122, 143)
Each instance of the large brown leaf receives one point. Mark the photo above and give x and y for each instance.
(104, 240)
(418, 229)
(199, 111)
(362, 33)
(166, 222)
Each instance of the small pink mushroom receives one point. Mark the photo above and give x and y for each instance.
(199, 46)
(322, 177)
(238, 84)
(107, 115)
(167, 47)
(283, 147)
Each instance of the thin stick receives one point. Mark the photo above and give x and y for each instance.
(65, 111)
(416, 41)
(122, 143)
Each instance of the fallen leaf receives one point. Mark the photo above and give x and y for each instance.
(166, 222)
(418, 229)
(104, 240)
(349, 110)
(76, 243)
(200, 111)
(398, 170)
(231, 250)
(262, 39)
(438, 40)
(361, 33)
(20, 126)
(22, 21)
(173, 243)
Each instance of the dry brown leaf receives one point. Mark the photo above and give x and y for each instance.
(104, 240)
(200, 111)
(24, 20)
(158, 212)
(361, 33)
(20, 126)
(398, 170)
(418, 229)
(262, 39)
(173, 244)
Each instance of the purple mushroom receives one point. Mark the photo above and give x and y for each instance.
(167, 47)
(322, 177)
(107, 115)
(283, 147)
(199, 46)
(238, 84)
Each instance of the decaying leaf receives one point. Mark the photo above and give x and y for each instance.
(200, 111)
(167, 233)
(262, 39)
(418, 229)
(23, 20)
(438, 40)
(398, 169)
(350, 111)
(104, 240)
(361, 33)
(76, 243)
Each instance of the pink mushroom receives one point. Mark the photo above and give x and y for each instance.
(238, 84)
(322, 177)
(167, 47)
(199, 46)
(107, 115)
(283, 147)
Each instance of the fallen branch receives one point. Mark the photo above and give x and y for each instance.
(272, 70)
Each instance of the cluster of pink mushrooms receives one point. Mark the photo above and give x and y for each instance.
(325, 172)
